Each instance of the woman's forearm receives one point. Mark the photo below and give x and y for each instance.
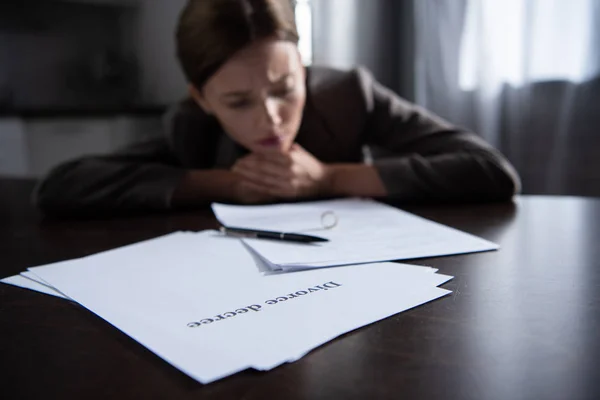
(360, 180)
(201, 187)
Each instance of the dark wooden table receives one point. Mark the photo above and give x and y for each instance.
(522, 323)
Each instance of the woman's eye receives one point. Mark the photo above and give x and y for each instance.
(239, 104)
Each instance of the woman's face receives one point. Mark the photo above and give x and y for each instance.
(258, 96)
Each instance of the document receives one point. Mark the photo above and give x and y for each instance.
(365, 231)
(200, 302)
(27, 283)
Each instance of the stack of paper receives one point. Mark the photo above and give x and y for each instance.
(201, 302)
(198, 301)
(366, 231)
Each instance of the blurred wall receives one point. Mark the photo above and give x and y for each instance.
(88, 53)
(82, 77)
(162, 79)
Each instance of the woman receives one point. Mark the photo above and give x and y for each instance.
(260, 127)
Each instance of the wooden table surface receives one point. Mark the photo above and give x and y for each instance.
(521, 323)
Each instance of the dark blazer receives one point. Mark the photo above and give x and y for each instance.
(418, 155)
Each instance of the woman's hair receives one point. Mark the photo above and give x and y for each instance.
(211, 31)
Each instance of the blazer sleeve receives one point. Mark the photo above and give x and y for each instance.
(430, 158)
(140, 177)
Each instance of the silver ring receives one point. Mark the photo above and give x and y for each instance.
(329, 220)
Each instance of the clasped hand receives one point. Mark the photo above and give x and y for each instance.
(291, 175)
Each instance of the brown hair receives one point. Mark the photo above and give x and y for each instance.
(211, 31)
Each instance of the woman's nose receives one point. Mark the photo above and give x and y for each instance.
(271, 112)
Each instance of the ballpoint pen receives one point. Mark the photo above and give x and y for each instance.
(260, 234)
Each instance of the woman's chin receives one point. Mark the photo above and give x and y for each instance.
(278, 148)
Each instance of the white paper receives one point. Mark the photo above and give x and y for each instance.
(386, 301)
(367, 231)
(154, 290)
(26, 283)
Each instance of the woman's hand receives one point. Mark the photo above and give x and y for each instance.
(291, 175)
(248, 192)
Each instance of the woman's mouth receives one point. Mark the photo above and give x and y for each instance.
(271, 141)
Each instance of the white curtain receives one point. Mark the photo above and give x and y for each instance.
(371, 33)
(522, 73)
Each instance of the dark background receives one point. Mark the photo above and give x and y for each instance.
(87, 55)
